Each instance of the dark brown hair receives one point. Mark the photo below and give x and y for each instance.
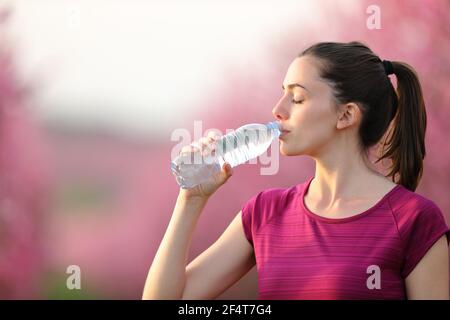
(357, 75)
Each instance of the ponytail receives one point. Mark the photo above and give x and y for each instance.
(406, 145)
(356, 74)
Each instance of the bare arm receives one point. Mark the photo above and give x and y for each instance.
(207, 276)
(166, 278)
(430, 278)
(213, 271)
(221, 265)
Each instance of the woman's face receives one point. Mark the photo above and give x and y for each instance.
(306, 109)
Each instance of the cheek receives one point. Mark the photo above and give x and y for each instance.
(313, 125)
(314, 119)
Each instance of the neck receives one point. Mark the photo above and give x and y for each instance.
(343, 176)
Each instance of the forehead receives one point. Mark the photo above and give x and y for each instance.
(303, 70)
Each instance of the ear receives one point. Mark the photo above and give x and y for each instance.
(348, 115)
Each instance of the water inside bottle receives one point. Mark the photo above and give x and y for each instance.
(235, 148)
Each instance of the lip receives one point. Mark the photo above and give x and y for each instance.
(283, 133)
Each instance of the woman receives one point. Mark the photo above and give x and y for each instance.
(348, 232)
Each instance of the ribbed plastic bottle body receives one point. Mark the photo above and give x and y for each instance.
(235, 148)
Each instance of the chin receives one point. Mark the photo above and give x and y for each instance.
(286, 151)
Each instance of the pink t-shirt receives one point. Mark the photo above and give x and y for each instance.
(301, 255)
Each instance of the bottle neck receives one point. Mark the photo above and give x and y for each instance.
(273, 126)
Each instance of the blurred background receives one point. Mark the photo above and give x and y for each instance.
(91, 90)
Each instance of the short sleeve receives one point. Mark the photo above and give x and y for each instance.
(248, 216)
(261, 208)
(419, 232)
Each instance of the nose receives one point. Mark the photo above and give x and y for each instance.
(280, 111)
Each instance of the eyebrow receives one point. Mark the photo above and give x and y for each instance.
(293, 85)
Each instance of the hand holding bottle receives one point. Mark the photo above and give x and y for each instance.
(234, 148)
(206, 146)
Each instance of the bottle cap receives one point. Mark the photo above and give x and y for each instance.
(273, 125)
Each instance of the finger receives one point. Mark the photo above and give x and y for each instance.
(188, 149)
(208, 145)
(227, 169)
(213, 135)
(185, 149)
(212, 140)
(203, 142)
(196, 146)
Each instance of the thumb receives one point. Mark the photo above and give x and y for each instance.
(227, 170)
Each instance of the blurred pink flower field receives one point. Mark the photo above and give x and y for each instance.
(103, 202)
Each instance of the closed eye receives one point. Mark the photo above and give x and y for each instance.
(297, 101)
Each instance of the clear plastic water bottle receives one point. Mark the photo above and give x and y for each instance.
(235, 148)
